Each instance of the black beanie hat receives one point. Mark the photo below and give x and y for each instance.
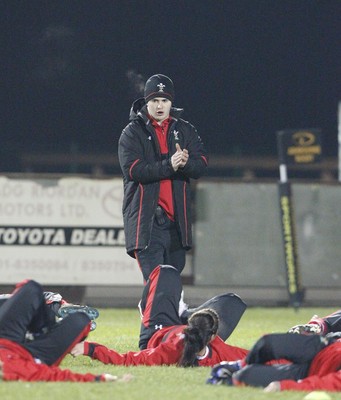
(159, 86)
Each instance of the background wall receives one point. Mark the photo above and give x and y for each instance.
(237, 240)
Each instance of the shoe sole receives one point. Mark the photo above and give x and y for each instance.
(91, 312)
(305, 330)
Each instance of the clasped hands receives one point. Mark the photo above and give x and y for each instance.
(179, 158)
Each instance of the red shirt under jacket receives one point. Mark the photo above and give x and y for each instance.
(166, 192)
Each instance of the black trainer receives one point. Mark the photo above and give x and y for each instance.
(221, 374)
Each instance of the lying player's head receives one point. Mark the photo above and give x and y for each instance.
(202, 328)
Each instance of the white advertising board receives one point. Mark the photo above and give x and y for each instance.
(64, 231)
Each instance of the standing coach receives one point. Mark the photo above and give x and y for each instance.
(159, 153)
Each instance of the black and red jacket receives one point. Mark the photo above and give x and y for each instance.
(144, 167)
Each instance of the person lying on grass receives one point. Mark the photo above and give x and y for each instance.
(59, 308)
(194, 338)
(196, 344)
(313, 363)
(38, 359)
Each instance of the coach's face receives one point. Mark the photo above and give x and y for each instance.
(159, 108)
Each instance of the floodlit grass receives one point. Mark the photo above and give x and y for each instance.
(119, 329)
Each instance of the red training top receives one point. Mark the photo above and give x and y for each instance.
(324, 372)
(165, 348)
(18, 364)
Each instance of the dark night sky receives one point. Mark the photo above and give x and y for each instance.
(242, 70)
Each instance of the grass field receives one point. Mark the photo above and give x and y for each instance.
(119, 329)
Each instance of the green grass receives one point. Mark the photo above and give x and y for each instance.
(119, 329)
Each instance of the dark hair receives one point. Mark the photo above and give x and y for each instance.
(201, 326)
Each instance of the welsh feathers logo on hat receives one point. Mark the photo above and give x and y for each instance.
(159, 86)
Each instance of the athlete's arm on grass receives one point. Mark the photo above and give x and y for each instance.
(330, 382)
(164, 354)
(24, 370)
